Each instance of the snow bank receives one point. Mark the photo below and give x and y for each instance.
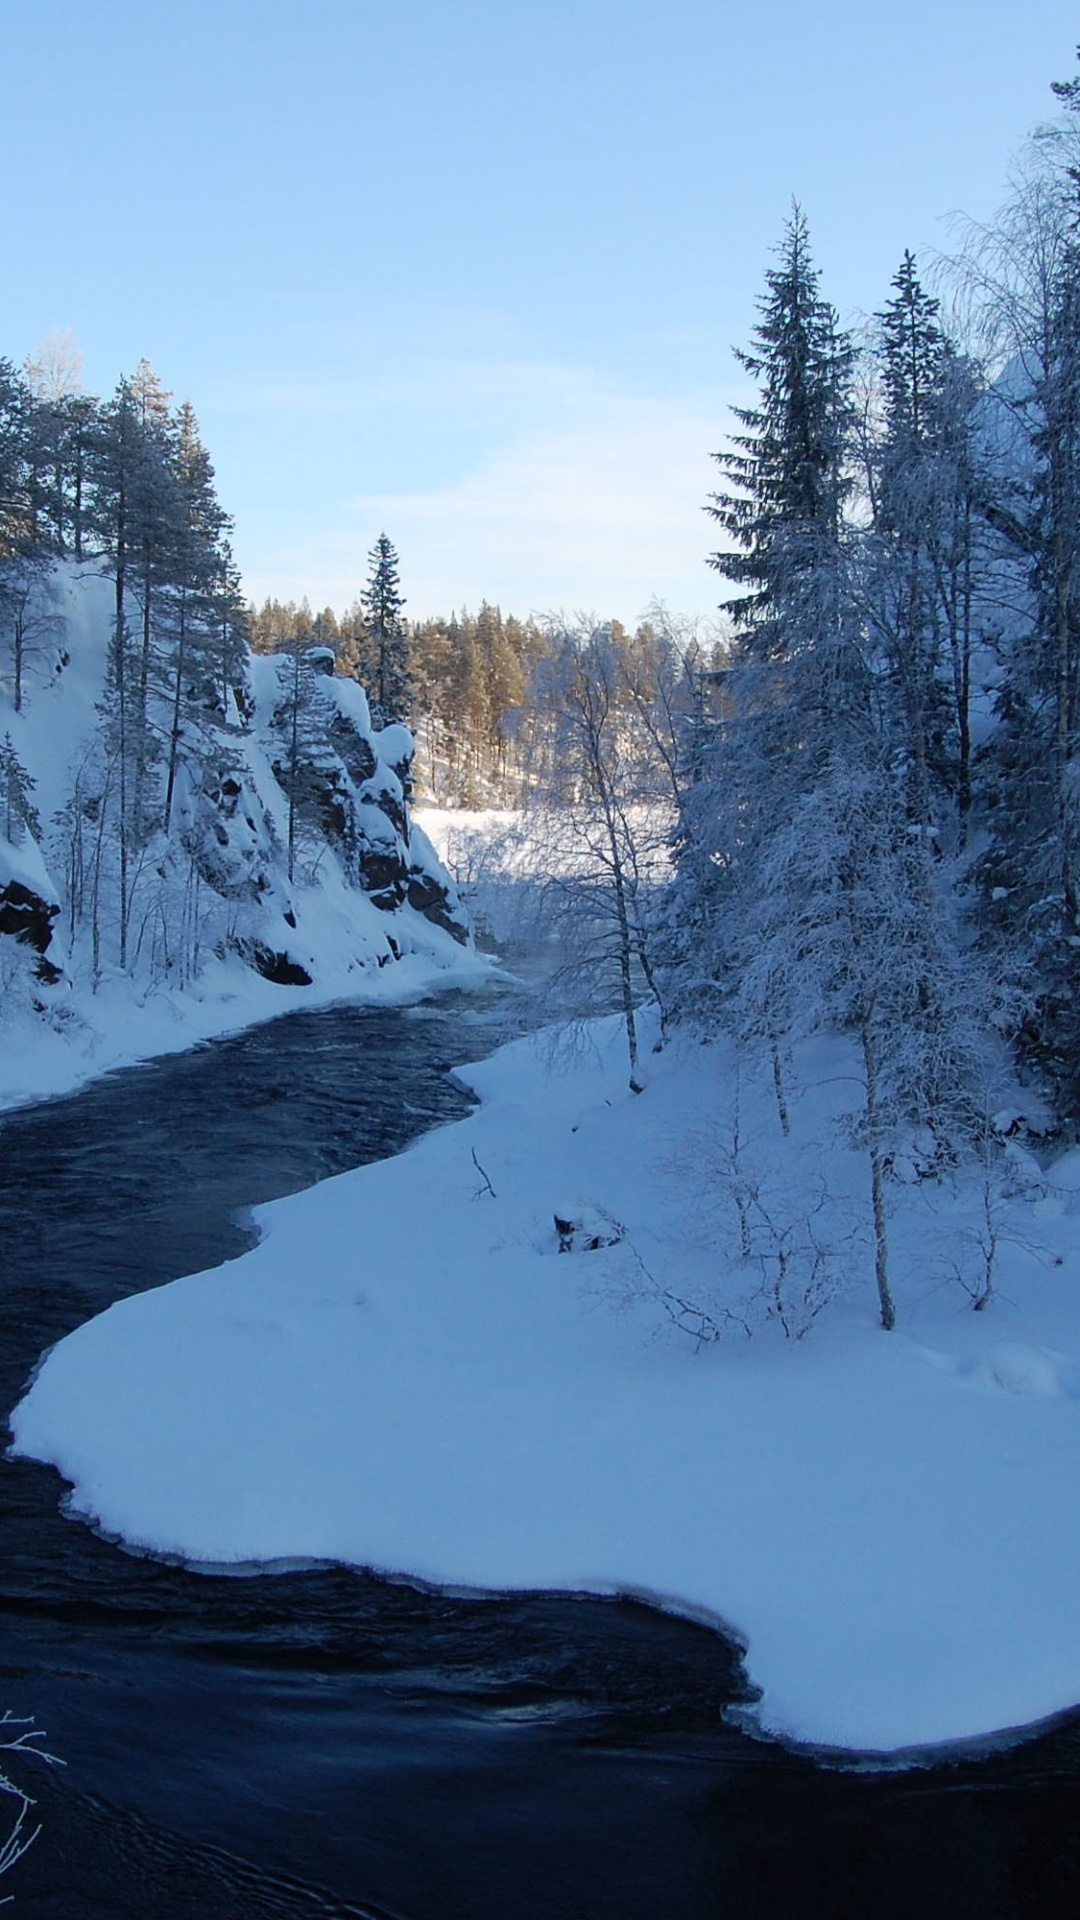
(406, 1374)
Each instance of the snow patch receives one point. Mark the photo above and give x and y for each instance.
(891, 1522)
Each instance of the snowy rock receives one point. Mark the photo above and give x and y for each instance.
(278, 967)
(585, 1229)
(28, 903)
(29, 919)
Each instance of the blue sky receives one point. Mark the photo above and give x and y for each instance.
(471, 272)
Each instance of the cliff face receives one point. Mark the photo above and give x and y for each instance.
(264, 826)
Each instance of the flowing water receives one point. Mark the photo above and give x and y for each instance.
(321, 1743)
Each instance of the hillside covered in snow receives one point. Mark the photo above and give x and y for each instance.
(231, 839)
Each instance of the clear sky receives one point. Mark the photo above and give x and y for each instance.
(470, 270)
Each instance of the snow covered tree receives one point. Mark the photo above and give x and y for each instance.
(17, 810)
(195, 572)
(302, 736)
(849, 931)
(57, 442)
(15, 540)
(124, 487)
(796, 680)
(810, 895)
(1024, 276)
(787, 466)
(599, 812)
(28, 622)
(926, 554)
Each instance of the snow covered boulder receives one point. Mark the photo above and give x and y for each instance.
(583, 1228)
(279, 967)
(26, 915)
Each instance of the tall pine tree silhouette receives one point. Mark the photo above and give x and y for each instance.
(384, 645)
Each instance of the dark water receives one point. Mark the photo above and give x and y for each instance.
(320, 1743)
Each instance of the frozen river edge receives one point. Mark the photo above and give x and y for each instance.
(405, 1375)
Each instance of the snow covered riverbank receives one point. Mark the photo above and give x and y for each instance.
(406, 1374)
(269, 864)
(117, 1025)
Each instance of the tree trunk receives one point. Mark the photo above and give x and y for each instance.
(877, 1180)
(174, 731)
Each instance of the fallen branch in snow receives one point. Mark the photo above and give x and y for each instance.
(487, 1186)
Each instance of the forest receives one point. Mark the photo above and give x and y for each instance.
(850, 807)
(661, 1194)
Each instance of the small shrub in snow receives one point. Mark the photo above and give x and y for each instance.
(778, 1241)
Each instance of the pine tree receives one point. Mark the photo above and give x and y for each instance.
(299, 729)
(788, 465)
(796, 679)
(384, 659)
(802, 900)
(14, 511)
(911, 554)
(196, 565)
(913, 353)
(53, 377)
(18, 814)
(156, 513)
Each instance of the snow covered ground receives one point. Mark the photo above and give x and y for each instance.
(407, 1374)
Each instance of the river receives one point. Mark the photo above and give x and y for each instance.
(316, 1742)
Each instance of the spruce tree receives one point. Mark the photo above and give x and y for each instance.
(904, 553)
(787, 466)
(913, 352)
(1032, 865)
(18, 815)
(384, 657)
(802, 901)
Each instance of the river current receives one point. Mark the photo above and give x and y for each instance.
(316, 1742)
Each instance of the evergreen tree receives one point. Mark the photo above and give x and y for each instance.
(196, 562)
(913, 352)
(14, 513)
(1030, 271)
(802, 899)
(1068, 91)
(796, 680)
(230, 616)
(384, 660)
(56, 438)
(156, 511)
(28, 622)
(921, 553)
(788, 465)
(18, 814)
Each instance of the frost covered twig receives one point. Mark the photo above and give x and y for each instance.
(19, 1835)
